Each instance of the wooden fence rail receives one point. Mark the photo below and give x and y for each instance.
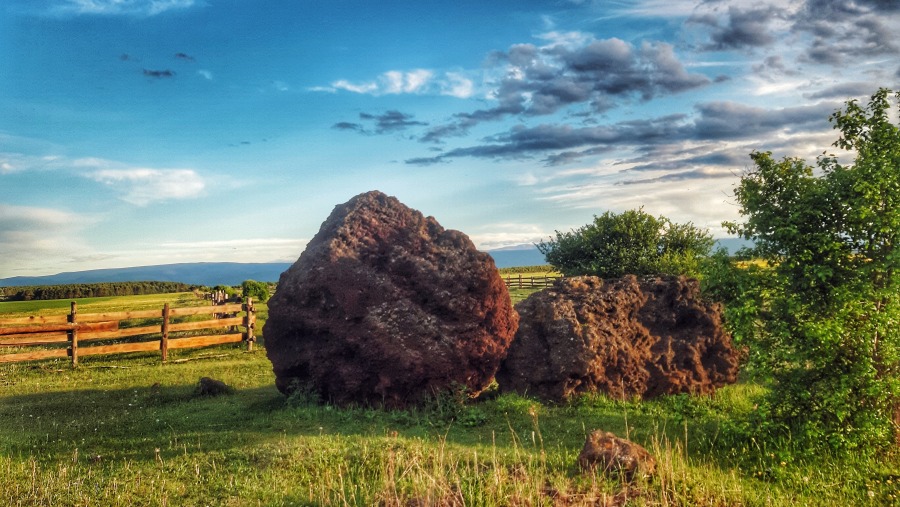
(171, 332)
(529, 282)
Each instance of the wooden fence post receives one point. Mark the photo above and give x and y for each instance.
(73, 334)
(249, 324)
(164, 342)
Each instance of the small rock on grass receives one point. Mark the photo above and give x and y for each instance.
(212, 387)
(605, 452)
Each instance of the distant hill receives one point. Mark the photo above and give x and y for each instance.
(529, 255)
(233, 273)
(200, 273)
(217, 273)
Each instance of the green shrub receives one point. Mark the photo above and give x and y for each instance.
(633, 242)
(825, 325)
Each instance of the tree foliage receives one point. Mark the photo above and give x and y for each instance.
(259, 291)
(828, 321)
(633, 242)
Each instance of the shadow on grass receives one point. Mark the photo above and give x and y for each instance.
(157, 422)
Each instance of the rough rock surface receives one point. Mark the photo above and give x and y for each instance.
(605, 452)
(386, 307)
(623, 337)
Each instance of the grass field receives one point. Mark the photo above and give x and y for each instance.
(127, 430)
(98, 305)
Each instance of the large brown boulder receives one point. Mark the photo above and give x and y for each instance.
(386, 307)
(624, 337)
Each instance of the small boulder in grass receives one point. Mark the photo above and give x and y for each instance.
(605, 452)
(212, 387)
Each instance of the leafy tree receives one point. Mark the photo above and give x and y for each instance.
(633, 242)
(828, 324)
(259, 291)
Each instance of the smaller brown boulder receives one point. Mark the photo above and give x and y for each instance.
(611, 455)
(212, 387)
(624, 337)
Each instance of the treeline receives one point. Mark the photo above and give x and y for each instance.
(89, 290)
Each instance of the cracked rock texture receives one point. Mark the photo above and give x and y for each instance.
(624, 337)
(386, 307)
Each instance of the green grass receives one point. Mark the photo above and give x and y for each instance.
(518, 295)
(127, 430)
(98, 305)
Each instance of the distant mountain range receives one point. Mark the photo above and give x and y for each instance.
(218, 273)
(196, 273)
(233, 273)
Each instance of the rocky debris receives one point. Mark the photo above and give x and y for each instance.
(386, 307)
(212, 387)
(605, 452)
(624, 337)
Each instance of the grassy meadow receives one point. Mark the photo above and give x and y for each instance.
(128, 430)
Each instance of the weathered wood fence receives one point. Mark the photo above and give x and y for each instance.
(529, 282)
(175, 329)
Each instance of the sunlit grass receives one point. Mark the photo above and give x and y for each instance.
(127, 430)
(99, 304)
(131, 431)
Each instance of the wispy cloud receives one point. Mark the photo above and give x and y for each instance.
(120, 7)
(416, 82)
(391, 82)
(712, 121)
(137, 185)
(142, 8)
(247, 250)
(499, 235)
(141, 186)
(28, 233)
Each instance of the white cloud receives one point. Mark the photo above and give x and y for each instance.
(394, 82)
(137, 185)
(500, 235)
(119, 7)
(568, 39)
(343, 84)
(417, 81)
(457, 85)
(141, 186)
(237, 250)
(660, 8)
(205, 74)
(18, 162)
(39, 238)
(24, 217)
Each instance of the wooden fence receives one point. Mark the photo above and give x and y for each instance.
(176, 329)
(529, 282)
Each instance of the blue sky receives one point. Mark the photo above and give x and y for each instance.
(138, 132)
